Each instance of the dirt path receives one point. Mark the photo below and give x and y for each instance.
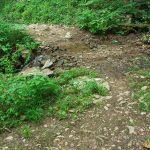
(115, 125)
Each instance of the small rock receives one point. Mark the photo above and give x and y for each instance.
(96, 96)
(126, 93)
(9, 138)
(66, 143)
(71, 111)
(131, 129)
(108, 105)
(36, 71)
(142, 77)
(131, 120)
(60, 136)
(38, 59)
(106, 108)
(38, 145)
(72, 122)
(99, 79)
(48, 72)
(58, 133)
(56, 140)
(26, 145)
(97, 101)
(45, 126)
(31, 71)
(106, 84)
(47, 64)
(4, 148)
(66, 129)
(113, 145)
(68, 35)
(144, 88)
(70, 136)
(116, 128)
(101, 99)
(72, 145)
(60, 62)
(108, 97)
(143, 113)
(130, 144)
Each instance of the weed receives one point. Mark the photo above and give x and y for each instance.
(24, 98)
(16, 48)
(92, 87)
(141, 87)
(26, 132)
(146, 38)
(29, 98)
(74, 73)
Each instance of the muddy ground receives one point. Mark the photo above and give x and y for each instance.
(116, 125)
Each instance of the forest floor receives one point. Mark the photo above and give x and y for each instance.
(118, 124)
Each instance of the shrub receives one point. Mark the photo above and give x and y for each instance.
(29, 98)
(93, 15)
(24, 98)
(15, 48)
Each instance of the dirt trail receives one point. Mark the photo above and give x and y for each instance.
(115, 125)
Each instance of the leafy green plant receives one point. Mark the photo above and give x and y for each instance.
(25, 132)
(16, 48)
(93, 15)
(29, 98)
(146, 38)
(74, 73)
(92, 87)
(24, 98)
(78, 87)
(141, 87)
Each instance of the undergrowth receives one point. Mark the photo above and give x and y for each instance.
(30, 98)
(146, 38)
(16, 48)
(93, 15)
(140, 83)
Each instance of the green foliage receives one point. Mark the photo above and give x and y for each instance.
(92, 87)
(25, 132)
(23, 98)
(93, 15)
(77, 93)
(146, 38)
(15, 48)
(28, 98)
(141, 87)
(74, 73)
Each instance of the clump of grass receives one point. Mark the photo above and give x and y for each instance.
(146, 38)
(78, 87)
(92, 87)
(140, 82)
(25, 132)
(25, 98)
(30, 98)
(74, 73)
